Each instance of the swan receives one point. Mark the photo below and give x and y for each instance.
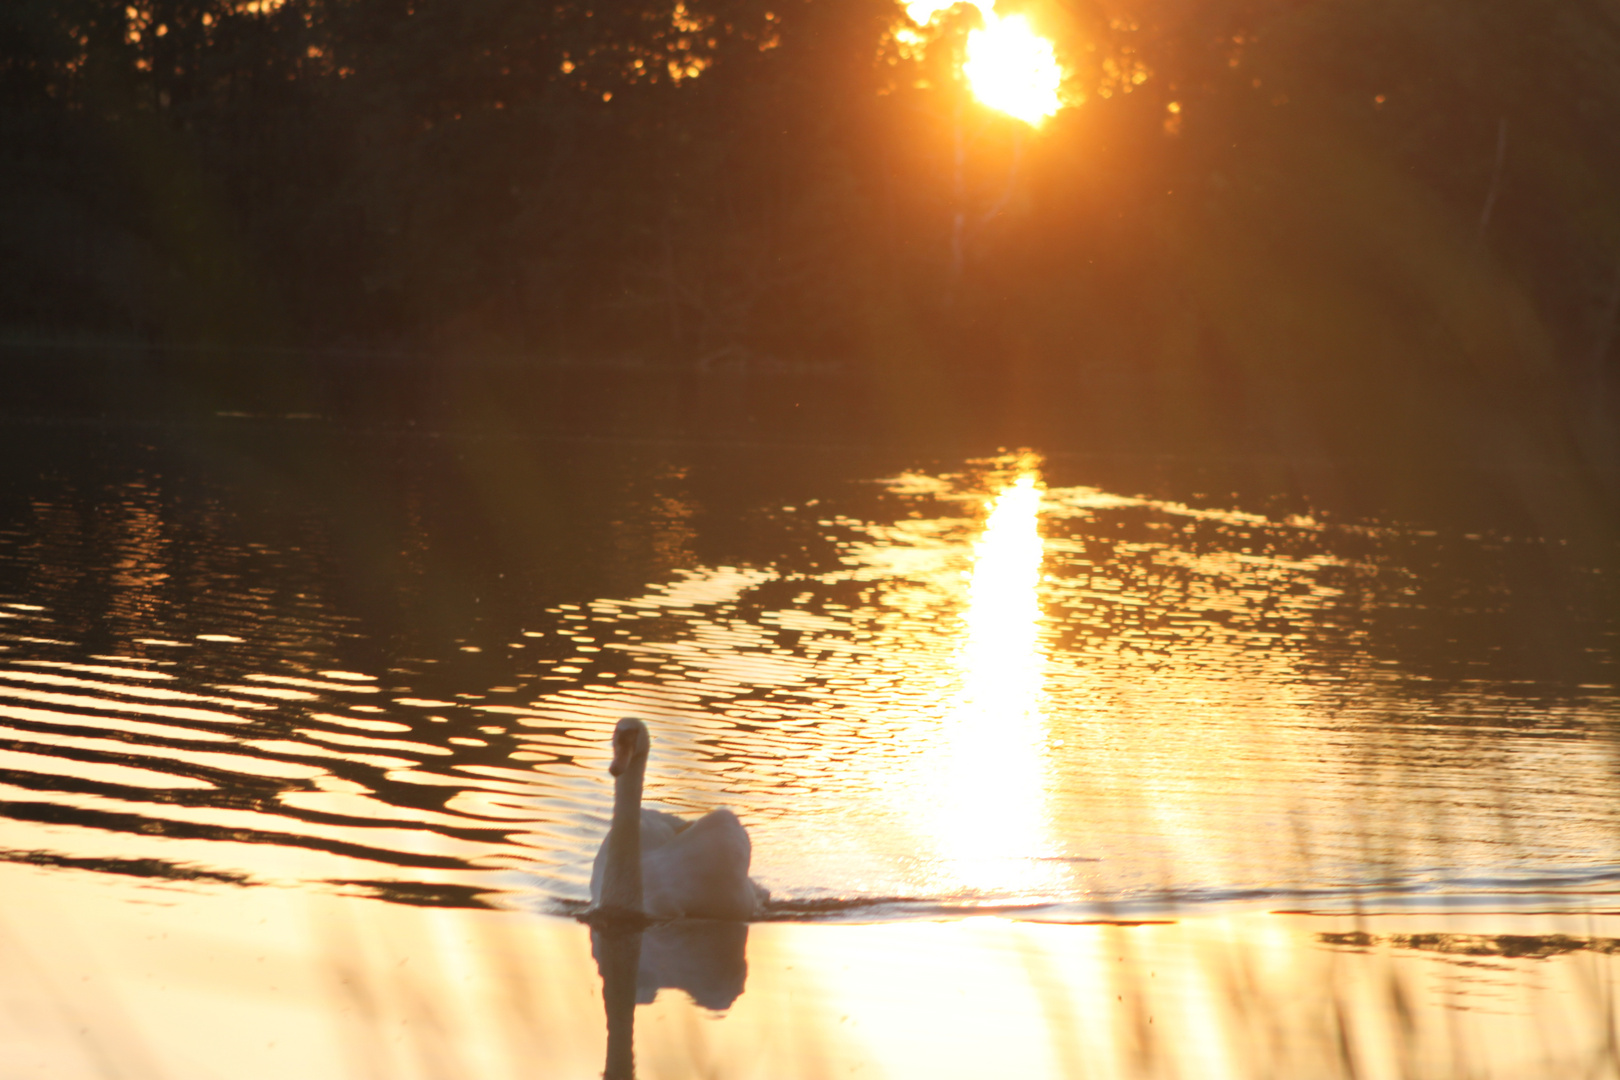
(664, 867)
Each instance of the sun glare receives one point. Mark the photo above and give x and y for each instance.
(1009, 66)
(920, 11)
(1013, 69)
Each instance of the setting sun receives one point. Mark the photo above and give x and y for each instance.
(1013, 69)
(1009, 67)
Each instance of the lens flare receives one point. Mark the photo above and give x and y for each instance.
(1009, 66)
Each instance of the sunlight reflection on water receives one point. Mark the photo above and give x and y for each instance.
(992, 806)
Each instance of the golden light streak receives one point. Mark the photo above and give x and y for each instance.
(992, 824)
(1009, 67)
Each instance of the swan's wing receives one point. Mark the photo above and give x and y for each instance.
(659, 828)
(721, 835)
(702, 872)
(679, 824)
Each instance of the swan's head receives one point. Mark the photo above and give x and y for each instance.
(630, 743)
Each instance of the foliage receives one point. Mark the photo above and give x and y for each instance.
(1249, 202)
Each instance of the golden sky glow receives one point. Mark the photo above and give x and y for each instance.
(1009, 67)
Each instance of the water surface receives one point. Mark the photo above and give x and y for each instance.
(385, 663)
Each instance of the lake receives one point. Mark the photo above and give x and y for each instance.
(1078, 763)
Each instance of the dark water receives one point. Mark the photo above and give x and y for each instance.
(384, 659)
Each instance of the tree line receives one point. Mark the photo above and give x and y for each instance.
(1374, 205)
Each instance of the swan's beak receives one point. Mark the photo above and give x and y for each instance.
(621, 755)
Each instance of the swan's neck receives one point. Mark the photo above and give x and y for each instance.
(621, 877)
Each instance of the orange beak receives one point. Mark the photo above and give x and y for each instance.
(622, 748)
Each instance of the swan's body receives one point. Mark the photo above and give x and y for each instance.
(661, 865)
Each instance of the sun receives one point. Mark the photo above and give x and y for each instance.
(1008, 66)
(1013, 69)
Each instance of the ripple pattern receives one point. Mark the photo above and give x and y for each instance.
(1213, 708)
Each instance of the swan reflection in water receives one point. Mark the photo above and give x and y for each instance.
(654, 865)
(706, 958)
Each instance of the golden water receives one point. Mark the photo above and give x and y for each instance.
(931, 690)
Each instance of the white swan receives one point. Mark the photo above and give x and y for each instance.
(661, 865)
